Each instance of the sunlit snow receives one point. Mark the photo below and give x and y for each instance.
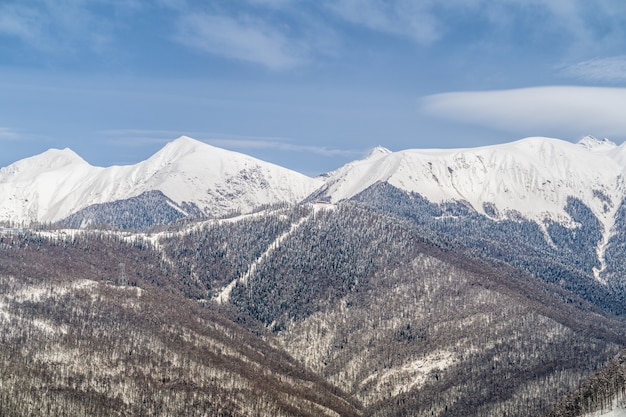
(50, 186)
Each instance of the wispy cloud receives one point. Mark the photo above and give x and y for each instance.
(12, 135)
(572, 24)
(561, 111)
(609, 69)
(411, 19)
(281, 145)
(276, 4)
(138, 137)
(24, 23)
(286, 34)
(141, 137)
(8, 134)
(245, 38)
(64, 27)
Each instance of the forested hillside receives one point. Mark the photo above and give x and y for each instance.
(148, 209)
(400, 316)
(353, 309)
(565, 256)
(93, 326)
(597, 395)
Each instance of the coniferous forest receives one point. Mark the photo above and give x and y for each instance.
(386, 305)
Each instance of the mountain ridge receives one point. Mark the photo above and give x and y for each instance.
(531, 177)
(434, 173)
(52, 185)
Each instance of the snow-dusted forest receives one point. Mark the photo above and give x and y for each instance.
(480, 282)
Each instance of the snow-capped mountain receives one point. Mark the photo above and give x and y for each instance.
(533, 177)
(51, 186)
(452, 282)
(543, 181)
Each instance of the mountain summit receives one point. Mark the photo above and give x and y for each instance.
(533, 178)
(592, 143)
(213, 181)
(378, 151)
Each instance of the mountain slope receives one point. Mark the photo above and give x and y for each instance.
(205, 179)
(551, 207)
(533, 176)
(140, 213)
(603, 394)
(95, 326)
(399, 317)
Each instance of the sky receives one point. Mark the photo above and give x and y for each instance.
(306, 84)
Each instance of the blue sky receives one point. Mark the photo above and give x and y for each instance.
(306, 84)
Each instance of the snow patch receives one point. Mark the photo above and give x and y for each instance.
(617, 411)
(414, 373)
(40, 293)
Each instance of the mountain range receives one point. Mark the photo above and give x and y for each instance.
(462, 282)
(532, 177)
(194, 178)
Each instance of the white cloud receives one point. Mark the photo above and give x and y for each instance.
(140, 137)
(21, 22)
(281, 145)
(54, 26)
(561, 111)
(574, 24)
(411, 19)
(245, 39)
(7, 134)
(609, 69)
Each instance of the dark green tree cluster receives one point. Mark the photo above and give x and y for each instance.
(565, 256)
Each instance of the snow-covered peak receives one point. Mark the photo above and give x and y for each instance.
(187, 170)
(593, 144)
(48, 161)
(378, 152)
(65, 154)
(53, 158)
(179, 148)
(185, 144)
(532, 176)
(50, 186)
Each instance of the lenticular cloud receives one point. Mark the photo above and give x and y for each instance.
(557, 110)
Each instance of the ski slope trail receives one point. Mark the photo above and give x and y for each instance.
(156, 239)
(224, 296)
(607, 233)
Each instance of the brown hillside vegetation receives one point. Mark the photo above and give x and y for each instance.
(76, 341)
(346, 311)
